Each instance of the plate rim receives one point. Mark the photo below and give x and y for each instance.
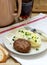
(24, 54)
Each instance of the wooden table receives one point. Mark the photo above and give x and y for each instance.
(40, 6)
(10, 61)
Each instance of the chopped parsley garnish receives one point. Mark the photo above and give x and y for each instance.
(26, 33)
(32, 36)
(21, 31)
(29, 38)
(13, 39)
(37, 49)
(35, 40)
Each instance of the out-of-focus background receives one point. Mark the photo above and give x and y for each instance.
(39, 6)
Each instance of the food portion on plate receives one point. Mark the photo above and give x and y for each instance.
(23, 40)
(3, 54)
(22, 45)
(34, 38)
(41, 33)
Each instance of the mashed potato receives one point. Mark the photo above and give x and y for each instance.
(28, 35)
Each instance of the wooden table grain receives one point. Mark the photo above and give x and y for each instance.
(40, 6)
